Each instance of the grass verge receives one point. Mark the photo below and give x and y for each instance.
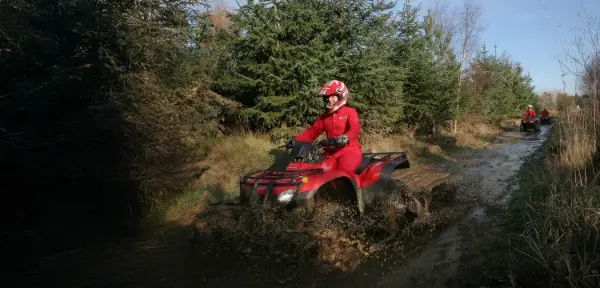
(547, 236)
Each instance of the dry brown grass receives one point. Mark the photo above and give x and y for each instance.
(470, 133)
(558, 244)
(234, 156)
(578, 137)
(398, 143)
(228, 159)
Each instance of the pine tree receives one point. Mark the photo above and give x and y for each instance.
(424, 52)
(287, 50)
(500, 87)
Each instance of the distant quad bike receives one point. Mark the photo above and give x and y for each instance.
(545, 120)
(310, 182)
(530, 123)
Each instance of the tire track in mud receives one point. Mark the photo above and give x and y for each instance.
(168, 260)
(485, 179)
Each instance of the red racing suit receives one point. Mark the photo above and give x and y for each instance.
(341, 122)
(530, 113)
(545, 113)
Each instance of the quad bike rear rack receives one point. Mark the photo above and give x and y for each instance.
(369, 158)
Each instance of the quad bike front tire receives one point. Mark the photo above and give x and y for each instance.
(323, 214)
(324, 211)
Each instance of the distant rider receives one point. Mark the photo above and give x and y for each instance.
(545, 113)
(339, 122)
(530, 112)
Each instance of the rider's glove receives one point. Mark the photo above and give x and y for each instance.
(342, 140)
(290, 143)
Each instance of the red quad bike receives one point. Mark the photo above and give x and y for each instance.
(530, 122)
(309, 181)
(545, 120)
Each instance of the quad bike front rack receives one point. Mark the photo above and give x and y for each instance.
(271, 179)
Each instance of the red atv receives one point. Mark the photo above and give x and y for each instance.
(308, 181)
(530, 122)
(545, 119)
(310, 176)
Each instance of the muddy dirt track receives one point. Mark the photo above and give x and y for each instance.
(483, 178)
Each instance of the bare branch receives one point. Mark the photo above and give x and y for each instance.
(583, 60)
(469, 28)
(466, 26)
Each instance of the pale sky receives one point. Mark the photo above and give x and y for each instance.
(532, 32)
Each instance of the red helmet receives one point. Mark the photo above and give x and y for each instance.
(334, 87)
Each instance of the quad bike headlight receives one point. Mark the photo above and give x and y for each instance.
(286, 196)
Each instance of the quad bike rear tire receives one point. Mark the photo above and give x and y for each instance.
(397, 193)
(392, 208)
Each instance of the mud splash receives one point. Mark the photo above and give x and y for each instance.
(280, 247)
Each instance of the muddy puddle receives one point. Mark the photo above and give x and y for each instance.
(426, 256)
(487, 177)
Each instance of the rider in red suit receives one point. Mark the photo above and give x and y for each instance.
(530, 112)
(339, 122)
(545, 113)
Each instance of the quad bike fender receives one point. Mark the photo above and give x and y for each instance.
(381, 172)
(340, 187)
(378, 178)
(314, 182)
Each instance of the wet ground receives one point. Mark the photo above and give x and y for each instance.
(484, 177)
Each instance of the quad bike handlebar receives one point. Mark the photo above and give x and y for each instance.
(308, 152)
(329, 142)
